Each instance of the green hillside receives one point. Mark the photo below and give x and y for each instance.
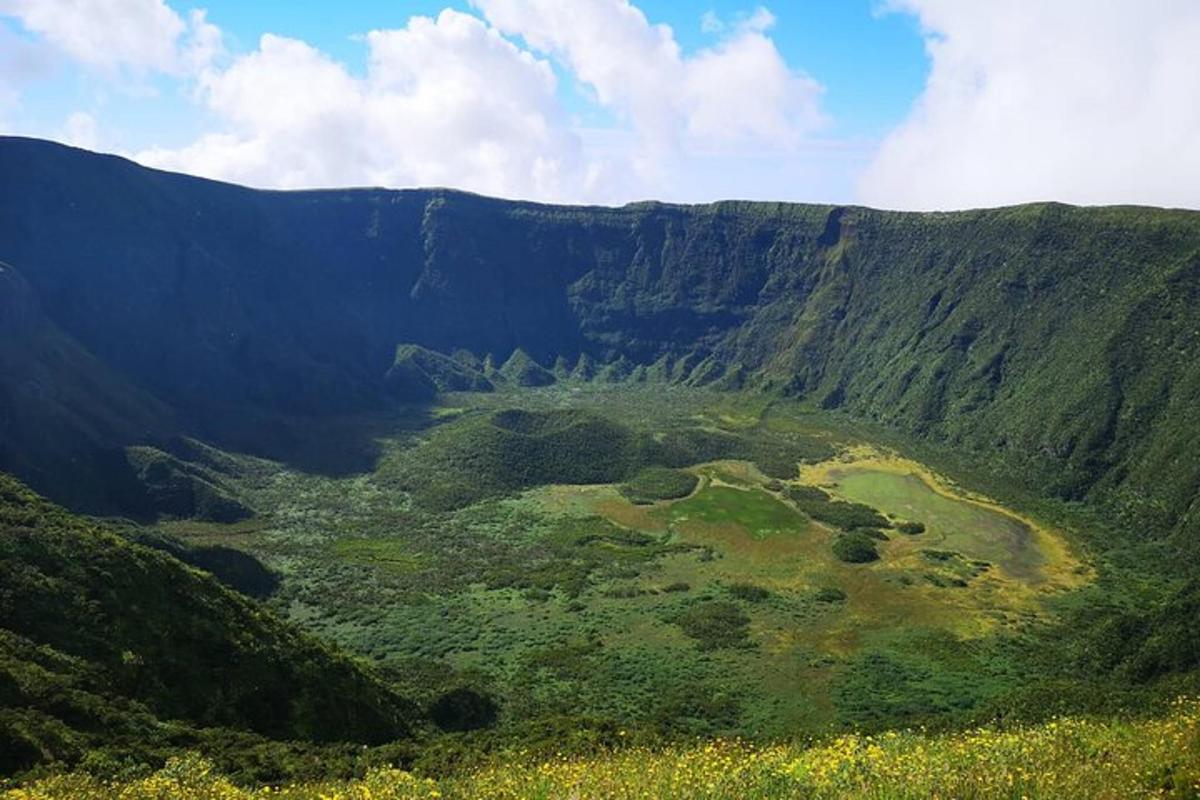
(101, 641)
(1056, 345)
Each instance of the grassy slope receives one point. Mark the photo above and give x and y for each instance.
(1064, 758)
(100, 638)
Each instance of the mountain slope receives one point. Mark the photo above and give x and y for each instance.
(1058, 344)
(97, 634)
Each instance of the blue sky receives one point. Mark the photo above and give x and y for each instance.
(899, 103)
(872, 63)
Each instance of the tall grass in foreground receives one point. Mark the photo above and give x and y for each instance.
(1065, 758)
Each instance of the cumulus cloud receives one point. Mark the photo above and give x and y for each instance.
(445, 101)
(1085, 101)
(80, 130)
(21, 62)
(740, 91)
(473, 103)
(113, 34)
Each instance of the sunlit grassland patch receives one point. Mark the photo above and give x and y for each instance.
(201, 532)
(392, 554)
(955, 519)
(756, 536)
(751, 510)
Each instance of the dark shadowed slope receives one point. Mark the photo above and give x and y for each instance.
(1061, 344)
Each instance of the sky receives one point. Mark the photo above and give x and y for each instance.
(909, 104)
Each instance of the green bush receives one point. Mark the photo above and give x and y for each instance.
(830, 594)
(817, 504)
(481, 457)
(463, 709)
(911, 528)
(749, 592)
(658, 483)
(855, 548)
(715, 624)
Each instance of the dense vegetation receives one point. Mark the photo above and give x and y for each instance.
(101, 639)
(855, 548)
(817, 504)
(1100, 760)
(659, 483)
(512, 449)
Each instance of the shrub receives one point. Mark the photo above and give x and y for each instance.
(658, 483)
(830, 594)
(715, 624)
(911, 528)
(749, 592)
(855, 548)
(463, 709)
(945, 581)
(623, 592)
(817, 504)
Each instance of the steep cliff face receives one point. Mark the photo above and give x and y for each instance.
(1061, 343)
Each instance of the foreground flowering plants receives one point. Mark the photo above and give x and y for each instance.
(1059, 759)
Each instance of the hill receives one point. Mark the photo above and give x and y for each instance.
(1050, 343)
(104, 642)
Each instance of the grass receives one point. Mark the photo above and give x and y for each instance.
(754, 510)
(1063, 758)
(953, 519)
(390, 554)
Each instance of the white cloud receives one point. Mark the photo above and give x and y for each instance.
(1085, 101)
(204, 44)
(759, 20)
(113, 34)
(80, 130)
(741, 91)
(451, 101)
(445, 101)
(721, 102)
(21, 62)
